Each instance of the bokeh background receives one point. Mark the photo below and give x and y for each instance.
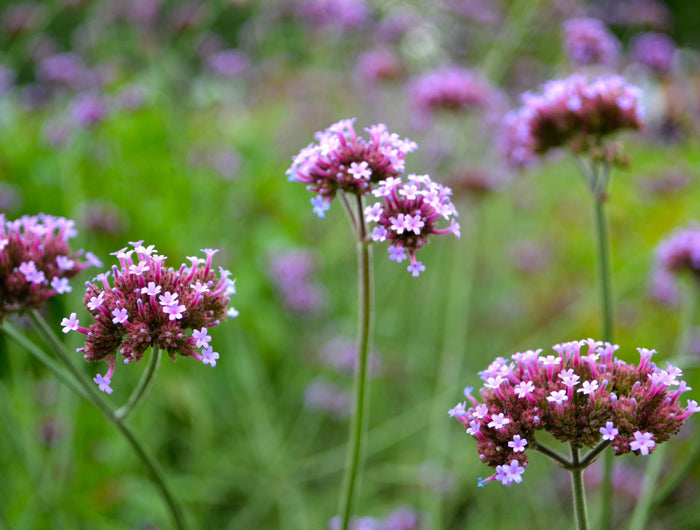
(174, 122)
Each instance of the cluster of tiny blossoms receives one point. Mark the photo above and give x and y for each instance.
(151, 305)
(36, 261)
(573, 113)
(583, 395)
(343, 161)
(409, 215)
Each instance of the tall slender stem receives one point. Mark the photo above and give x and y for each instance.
(91, 394)
(360, 385)
(144, 385)
(579, 492)
(598, 188)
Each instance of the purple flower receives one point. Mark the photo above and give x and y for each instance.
(453, 89)
(589, 41)
(88, 110)
(334, 14)
(632, 408)
(32, 250)
(228, 63)
(655, 51)
(325, 396)
(377, 65)
(643, 442)
(129, 320)
(293, 272)
(410, 214)
(609, 432)
(70, 324)
(571, 112)
(327, 167)
(64, 68)
(103, 382)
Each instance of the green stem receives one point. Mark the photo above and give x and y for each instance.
(91, 394)
(590, 457)
(579, 491)
(551, 454)
(144, 385)
(598, 189)
(47, 361)
(358, 420)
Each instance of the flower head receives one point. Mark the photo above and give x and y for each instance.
(454, 89)
(36, 261)
(342, 160)
(655, 51)
(129, 318)
(633, 408)
(589, 41)
(409, 215)
(573, 113)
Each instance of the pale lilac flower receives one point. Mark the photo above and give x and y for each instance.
(120, 316)
(643, 442)
(397, 254)
(201, 337)
(588, 41)
(103, 382)
(609, 432)
(209, 356)
(151, 289)
(61, 285)
(654, 50)
(588, 387)
(70, 324)
(498, 421)
(558, 397)
(517, 444)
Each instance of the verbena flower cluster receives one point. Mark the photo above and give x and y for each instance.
(450, 88)
(36, 261)
(343, 161)
(573, 113)
(409, 214)
(151, 305)
(583, 395)
(588, 41)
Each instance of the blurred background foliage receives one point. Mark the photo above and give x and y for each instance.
(197, 110)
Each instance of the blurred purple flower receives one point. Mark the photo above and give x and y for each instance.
(341, 355)
(57, 134)
(320, 395)
(103, 218)
(144, 12)
(452, 88)
(226, 163)
(589, 41)
(188, 16)
(647, 13)
(7, 79)
(341, 14)
(662, 288)
(292, 272)
(62, 69)
(653, 50)
(402, 518)
(478, 11)
(529, 256)
(88, 110)
(228, 63)
(377, 65)
(132, 97)
(395, 24)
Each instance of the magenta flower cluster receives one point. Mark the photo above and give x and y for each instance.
(583, 395)
(588, 41)
(409, 214)
(151, 305)
(452, 89)
(36, 261)
(654, 50)
(343, 161)
(573, 113)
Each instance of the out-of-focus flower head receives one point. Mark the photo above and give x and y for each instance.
(453, 89)
(589, 41)
(573, 113)
(342, 160)
(228, 63)
(62, 69)
(36, 261)
(103, 218)
(22, 17)
(151, 305)
(409, 215)
(321, 395)
(655, 51)
(677, 253)
(88, 110)
(341, 14)
(377, 65)
(292, 272)
(634, 13)
(341, 355)
(583, 395)
(478, 11)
